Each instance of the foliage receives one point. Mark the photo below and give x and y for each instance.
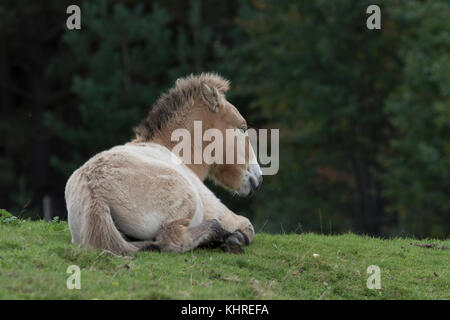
(363, 114)
(122, 56)
(349, 102)
(417, 163)
(8, 218)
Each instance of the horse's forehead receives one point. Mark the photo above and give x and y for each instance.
(232, 112)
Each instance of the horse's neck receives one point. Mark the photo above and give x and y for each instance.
(201, 170)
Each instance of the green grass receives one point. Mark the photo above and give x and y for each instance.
(34, 257)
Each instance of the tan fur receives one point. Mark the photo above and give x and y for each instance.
(137, 190)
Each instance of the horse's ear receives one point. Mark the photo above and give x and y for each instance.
(210, 97)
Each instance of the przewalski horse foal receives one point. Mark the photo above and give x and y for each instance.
(136, 197)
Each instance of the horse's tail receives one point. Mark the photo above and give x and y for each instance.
(99, 230)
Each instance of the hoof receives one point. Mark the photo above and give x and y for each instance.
(242, 237)
(232, 245)
(151, 247)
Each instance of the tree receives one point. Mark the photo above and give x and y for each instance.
(123, 58)
(417, 163)
(319, 73)
(29, 41)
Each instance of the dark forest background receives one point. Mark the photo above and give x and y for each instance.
(364, 115)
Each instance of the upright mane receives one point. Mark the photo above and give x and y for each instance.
(178, 99)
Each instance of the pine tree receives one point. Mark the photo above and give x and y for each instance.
(417, 162)
(123, 58)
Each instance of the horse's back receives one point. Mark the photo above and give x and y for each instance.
(142, 185)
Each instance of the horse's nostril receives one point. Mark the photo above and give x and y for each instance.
(260, 179)
(254, 183)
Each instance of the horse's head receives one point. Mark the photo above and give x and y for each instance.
(232, 162)
(236, 169)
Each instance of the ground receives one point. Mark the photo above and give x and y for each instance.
(34, 257)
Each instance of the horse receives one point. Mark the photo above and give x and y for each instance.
(134, 197)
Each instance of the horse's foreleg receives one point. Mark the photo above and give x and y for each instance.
(177, 236)
(238, 225)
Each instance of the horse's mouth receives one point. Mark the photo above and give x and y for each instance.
(252, 181)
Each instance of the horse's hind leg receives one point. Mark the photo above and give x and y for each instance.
(148, 245)
(177, 236)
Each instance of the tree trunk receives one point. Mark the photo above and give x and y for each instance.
(366, 197)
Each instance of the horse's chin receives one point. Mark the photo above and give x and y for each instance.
(251, 181)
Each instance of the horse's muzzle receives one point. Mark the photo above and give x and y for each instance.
(252, 181)
(256, 182)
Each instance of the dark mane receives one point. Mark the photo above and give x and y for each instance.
(177, 99)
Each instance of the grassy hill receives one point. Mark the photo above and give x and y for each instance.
(34, 257)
